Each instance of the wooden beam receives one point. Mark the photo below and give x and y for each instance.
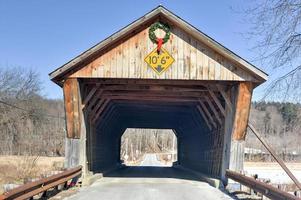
(94, 100)
(216, 114)
(90, 95)
(150, 98)
(156, 93)
(204, 117)
(225, 96)
(208, 114)
(95, 109)
(72, 107)
(217, 102)
(114, 81)
(101, 110)
(134, 87)
(243, 104)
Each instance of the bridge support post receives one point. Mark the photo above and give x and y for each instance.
(75, 149)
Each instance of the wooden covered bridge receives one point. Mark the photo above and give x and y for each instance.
(158, 72)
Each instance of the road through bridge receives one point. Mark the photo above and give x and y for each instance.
(152, 181)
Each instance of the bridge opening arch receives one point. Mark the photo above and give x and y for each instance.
(148, 147)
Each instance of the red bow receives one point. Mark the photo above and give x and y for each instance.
(159, 44)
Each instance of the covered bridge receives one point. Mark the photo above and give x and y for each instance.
(192, 85)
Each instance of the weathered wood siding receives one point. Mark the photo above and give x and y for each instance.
(72, 108)
(243, 104)
(193, 60)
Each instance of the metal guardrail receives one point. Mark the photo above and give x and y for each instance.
(31, 189)
(261, 187)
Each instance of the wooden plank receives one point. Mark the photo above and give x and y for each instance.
(90, 95)
(101, 109)
(217, 102)
(243, 103)
(215, 112)
(204, 117)
(208, 114)
(95, 109)
(225, 96)
(72, 105)
(94, 99)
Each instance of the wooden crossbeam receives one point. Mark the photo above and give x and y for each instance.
(225, 96)
(208, 113)
(94, 100)
(134, 87)
(95, 109)
(156, 93)
(204, 117)
(100, 110)
(218, 103)
(152, 98)
(90, 95)
(208, 83)
(216, 114)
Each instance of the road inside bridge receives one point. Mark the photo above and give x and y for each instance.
(150, 183)
(151, 160)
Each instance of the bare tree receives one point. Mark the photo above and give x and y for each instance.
(276, 26)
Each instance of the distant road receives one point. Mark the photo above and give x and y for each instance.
(151, 161)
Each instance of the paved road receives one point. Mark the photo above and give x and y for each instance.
(150, 183)
(151, 160)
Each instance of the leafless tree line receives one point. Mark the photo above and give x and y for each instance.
(29, 123)
(280, 125)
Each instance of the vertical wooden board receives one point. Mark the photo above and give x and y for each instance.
(72, 107)
(68, 107)
(180, 55)
(168, 47)
(217, 72)
(107, 64)
(131, 58)
(143, 53)
(113, 66)
(211, 65)
(193, 59)
(242, 112)
(125, 60)
(136, 55)
(187, 41)
(150, 72)
(174, 53)
(76, 108)
(119, 60)
(199, 61)
(205, 65)
(139, 60)
(222, 69)
(100, 68)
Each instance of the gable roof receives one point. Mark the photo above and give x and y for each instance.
(58, 75)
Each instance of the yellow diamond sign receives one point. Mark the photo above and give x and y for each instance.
(159, 62)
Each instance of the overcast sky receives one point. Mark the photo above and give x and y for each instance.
(45, 34)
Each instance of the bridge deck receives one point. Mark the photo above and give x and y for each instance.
(150, 183)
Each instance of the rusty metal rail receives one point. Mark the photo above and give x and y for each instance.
(261, 187)
(40, 186)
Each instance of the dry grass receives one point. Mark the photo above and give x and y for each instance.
(18, 169)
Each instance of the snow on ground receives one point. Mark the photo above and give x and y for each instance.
(273, 171)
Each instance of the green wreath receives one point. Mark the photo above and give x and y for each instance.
(154, 27)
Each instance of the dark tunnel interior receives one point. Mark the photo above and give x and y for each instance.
(198, 148)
